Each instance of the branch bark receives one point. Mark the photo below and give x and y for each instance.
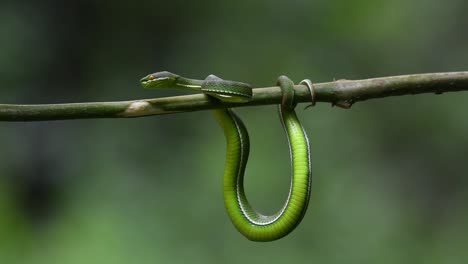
(343, 93)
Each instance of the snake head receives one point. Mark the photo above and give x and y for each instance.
(162, 79)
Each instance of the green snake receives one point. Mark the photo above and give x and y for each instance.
(248, 221)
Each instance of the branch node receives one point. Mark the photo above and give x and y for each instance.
(137, 108)
(346, 104)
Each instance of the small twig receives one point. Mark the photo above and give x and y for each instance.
(343, 93)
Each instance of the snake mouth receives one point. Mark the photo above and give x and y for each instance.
(147, 80)
(144, 80)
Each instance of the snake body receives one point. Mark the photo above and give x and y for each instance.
(248, 221)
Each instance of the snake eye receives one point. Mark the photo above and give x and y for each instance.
(151, 77)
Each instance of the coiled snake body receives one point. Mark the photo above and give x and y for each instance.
(248, 221)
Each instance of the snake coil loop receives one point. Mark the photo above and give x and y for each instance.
(311, 88)
(287, 90)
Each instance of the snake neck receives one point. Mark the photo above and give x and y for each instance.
(188, 84)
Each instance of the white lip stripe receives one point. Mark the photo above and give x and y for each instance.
(157, 79)
(189, 85)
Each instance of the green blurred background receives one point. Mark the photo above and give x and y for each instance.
(390, 179)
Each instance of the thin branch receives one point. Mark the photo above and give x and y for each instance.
(343, 93)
